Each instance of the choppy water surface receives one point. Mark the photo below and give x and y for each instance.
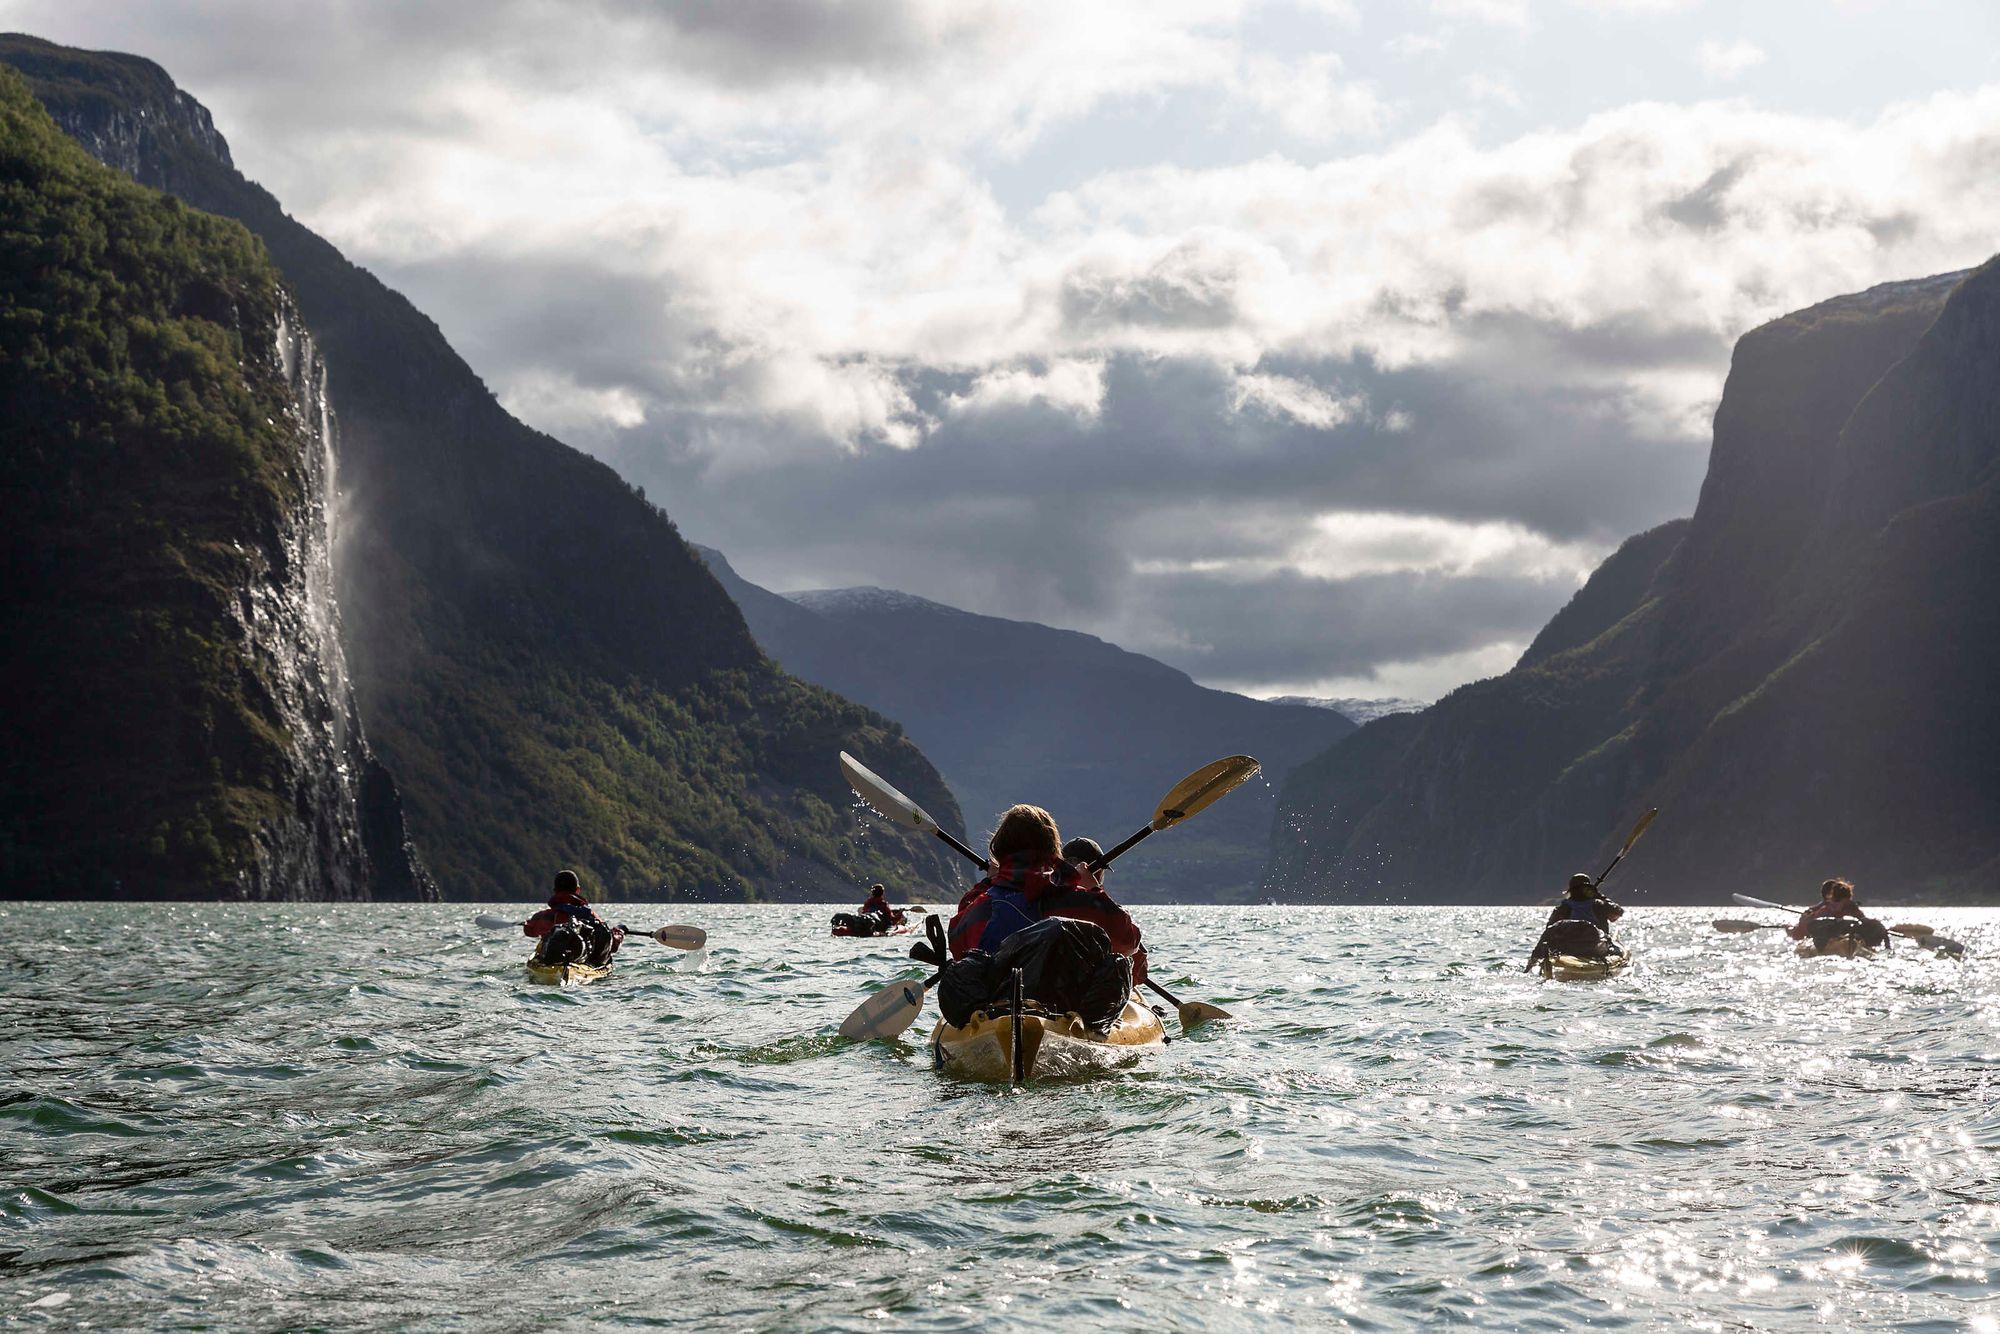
(260, 1117)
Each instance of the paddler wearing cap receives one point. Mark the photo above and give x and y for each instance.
(569, 917)
(1581, 903)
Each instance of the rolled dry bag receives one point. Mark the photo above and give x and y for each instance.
(1067, 967)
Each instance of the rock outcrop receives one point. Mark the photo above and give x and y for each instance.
(178, 719)
(1798, 676)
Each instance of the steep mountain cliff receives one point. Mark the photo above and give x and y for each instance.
(551, 674)
(1014, 711)
(1799, 677)
(178, 720)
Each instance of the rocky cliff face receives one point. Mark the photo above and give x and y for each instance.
(178, 719)
(1795, 676)
(551, 674)
(346, 837)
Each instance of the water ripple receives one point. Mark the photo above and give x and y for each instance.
(359, 1117)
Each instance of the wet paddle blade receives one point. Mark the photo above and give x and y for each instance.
(492, 923)
(1913, 930)
(681, 937)
(1196, 1013)
(1639, 829)
(887, 1013)
(1732, 926)
(887, 801)
(1203, 788)
(1749, 902)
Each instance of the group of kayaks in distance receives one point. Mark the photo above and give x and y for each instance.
(1040, 970)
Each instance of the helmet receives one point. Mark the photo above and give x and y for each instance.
(1582, 884)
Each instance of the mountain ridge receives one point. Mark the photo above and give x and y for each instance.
(1791, 674)
(551, 674)
(1019, 711)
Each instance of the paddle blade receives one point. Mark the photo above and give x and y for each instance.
(1196, 1013)
(887, 1013)
(1203, 788)
(1732, 926)
(681, 937)
(887, 801)
(492, 923)
(1749, 902)
(1639, 829)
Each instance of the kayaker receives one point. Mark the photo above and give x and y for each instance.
(878, 905)
(1080, 853)
(1837, 914)
(1030, 880)
(570, 912)
(1580, 924)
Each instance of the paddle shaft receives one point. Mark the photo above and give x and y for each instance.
(1637, 830)
(1119, 851)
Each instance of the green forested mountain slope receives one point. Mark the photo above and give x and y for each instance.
(551, 674)
(175, 718)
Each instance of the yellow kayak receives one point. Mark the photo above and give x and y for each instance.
(1051, 1045)
(1574, 968)
(565, 974)
(1840, 947)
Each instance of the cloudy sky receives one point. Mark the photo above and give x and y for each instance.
(1313, 346)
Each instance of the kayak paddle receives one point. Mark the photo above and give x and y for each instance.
(1192, 1013)
(1749, 902)
(895, 1007)
(893, 806)
(1192, 795)
(1731, 926)
(1928, 938)
(1535, 956)
(675, 937)
(1637, 830)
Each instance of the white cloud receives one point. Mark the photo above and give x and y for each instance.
(1728, 60)
(763, 263)
(1500, 13)
(1311, 99)
(1638, 6)
(1294, 400)
(1418, 43)
(1072, 386)
(1480, 88)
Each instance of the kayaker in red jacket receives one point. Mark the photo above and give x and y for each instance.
(878, 903)
(1029, 881)
(1836, 900)
(567, 906)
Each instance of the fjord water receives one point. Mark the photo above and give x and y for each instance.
(359, 1117)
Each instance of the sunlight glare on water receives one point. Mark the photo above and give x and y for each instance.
(365, 1117)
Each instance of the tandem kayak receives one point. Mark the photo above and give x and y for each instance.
(1051, 1045)
(1575, 968)
(566, 974)
(870, 924)
(1840, 947)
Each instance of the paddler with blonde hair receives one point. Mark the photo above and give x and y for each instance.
(1029, 880)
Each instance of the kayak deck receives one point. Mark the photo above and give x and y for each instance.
(1840, 947)
(1052, 1046)
(1576, 968)
(566, 974)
